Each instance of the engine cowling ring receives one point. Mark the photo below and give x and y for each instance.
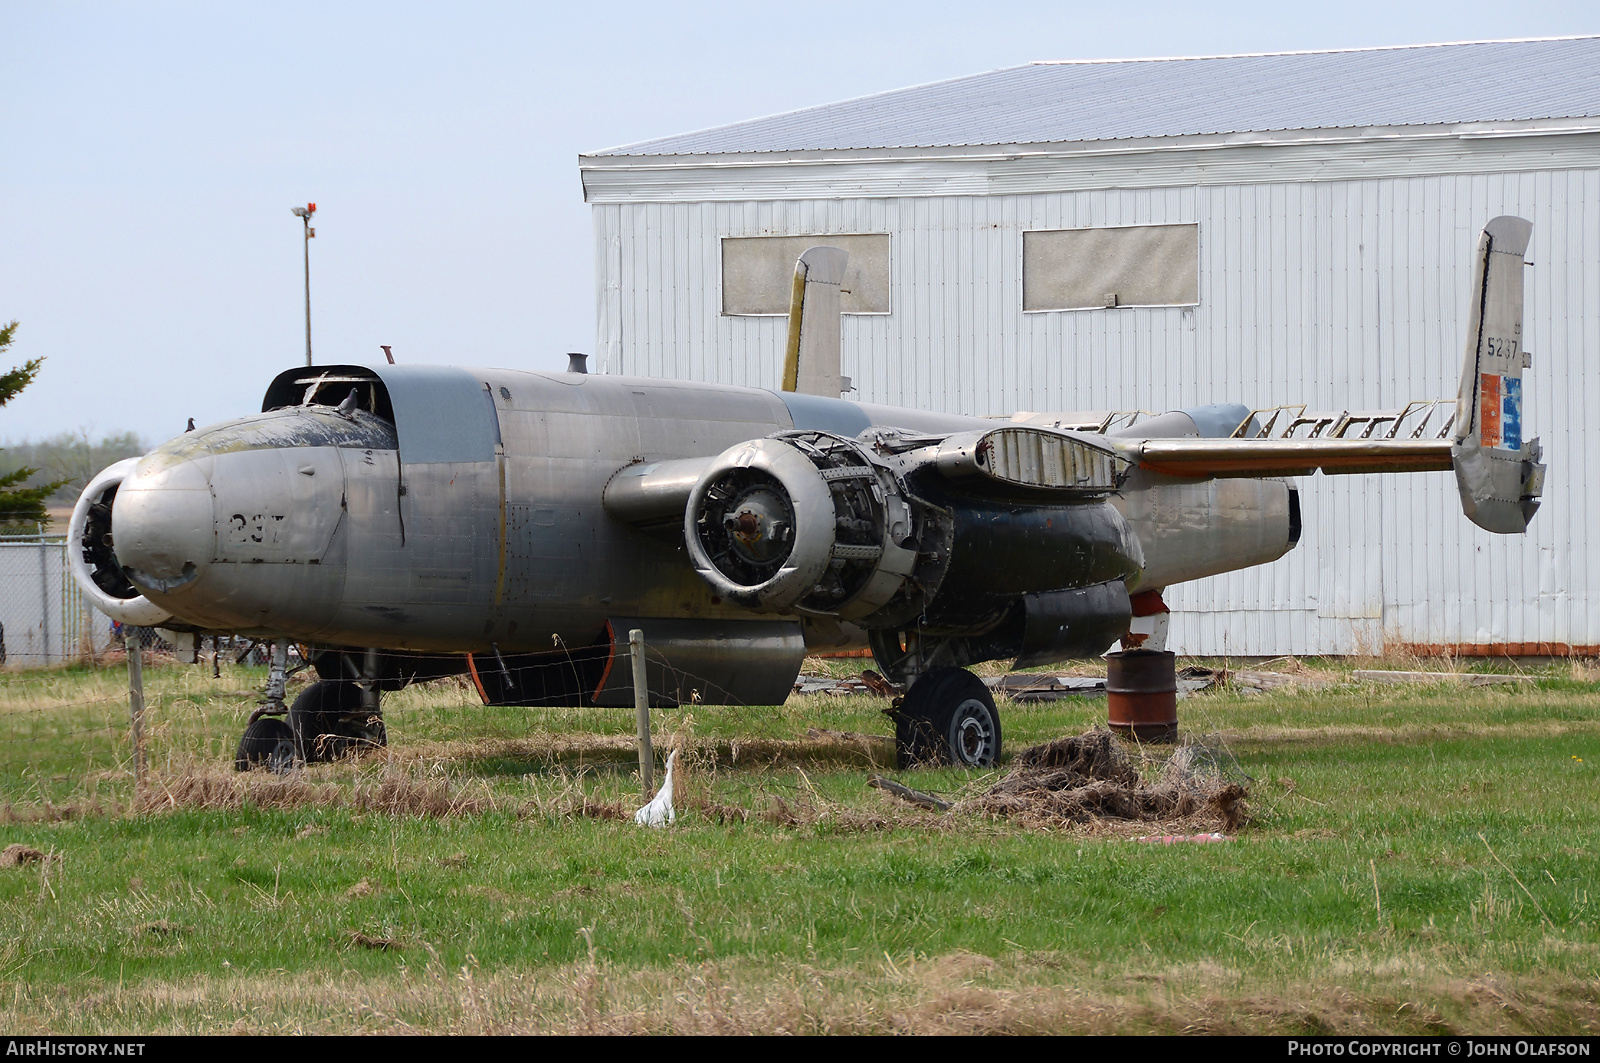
(94, 564)
(759, 525)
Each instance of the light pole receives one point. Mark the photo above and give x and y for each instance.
(304, 214)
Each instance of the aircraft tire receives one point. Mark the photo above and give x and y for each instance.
(948, 717)
(325, 720)
(267, 743)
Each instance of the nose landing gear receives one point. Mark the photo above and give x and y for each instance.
(330, 719)
(267, 740)
(267, 743)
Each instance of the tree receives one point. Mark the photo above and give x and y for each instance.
(21, 507)
(74, 457)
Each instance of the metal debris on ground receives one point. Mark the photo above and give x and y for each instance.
(1032, 687)
(906, 793)
(843, 736)
(1024, 687)
(1020, 687)
(1198, 677)
(1474, 678)
(827, 684)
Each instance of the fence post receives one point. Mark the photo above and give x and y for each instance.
(44, 593)
(136, 706)
(641, 708)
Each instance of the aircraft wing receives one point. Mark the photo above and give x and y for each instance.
(1039, 458)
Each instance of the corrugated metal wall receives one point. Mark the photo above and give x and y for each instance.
(1341, 294)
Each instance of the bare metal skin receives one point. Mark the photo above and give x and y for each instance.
(434, 510)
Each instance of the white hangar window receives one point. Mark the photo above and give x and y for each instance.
(1129, 265)
(758, 272)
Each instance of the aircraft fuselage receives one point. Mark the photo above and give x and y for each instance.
(452, 510)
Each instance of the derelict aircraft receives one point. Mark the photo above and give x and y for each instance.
(404, 523)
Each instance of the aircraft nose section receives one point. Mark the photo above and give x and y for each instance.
(162, 526)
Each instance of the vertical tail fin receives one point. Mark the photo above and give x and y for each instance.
(1498, 474)
(811, 359)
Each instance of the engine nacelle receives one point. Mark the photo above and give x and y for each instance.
(92, 559)
(802, 522)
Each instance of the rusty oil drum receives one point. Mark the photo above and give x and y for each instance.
(1142, 694)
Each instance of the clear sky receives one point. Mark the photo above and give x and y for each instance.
(150, 153)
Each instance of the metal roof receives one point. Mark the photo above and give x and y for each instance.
(1057, 102)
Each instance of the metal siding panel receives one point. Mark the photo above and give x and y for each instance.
(659, 283)
(1582, 387)
(645, 287)
(607, 281)
(1337, 291)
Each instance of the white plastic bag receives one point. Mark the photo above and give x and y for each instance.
(658, 813)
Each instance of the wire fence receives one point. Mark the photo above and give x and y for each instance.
(63, 725)
(44, 619)
(220, 676)
(66, 738)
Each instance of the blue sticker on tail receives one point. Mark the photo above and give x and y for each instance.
(1511, 414)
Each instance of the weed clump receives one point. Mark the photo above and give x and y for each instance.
(18, 854)
(1091, 777)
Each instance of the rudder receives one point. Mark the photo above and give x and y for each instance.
(1497, 472)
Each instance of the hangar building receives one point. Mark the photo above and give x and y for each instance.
(1155, 234)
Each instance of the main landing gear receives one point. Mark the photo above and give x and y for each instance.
(947, 717)
(330, 719)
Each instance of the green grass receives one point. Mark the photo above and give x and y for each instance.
(1469, 812)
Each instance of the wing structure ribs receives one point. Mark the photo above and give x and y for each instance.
(1296, 441)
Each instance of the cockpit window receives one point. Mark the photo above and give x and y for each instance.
(330, 386)
(441, 414)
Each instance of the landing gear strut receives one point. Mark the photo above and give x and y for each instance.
(267, 740)
(947, 717)
(330, 718)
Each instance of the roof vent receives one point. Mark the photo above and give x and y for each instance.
(577, 363)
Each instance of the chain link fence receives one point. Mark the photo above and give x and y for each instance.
(44, 619)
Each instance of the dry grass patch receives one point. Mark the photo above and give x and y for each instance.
(396, 793)
(17, 854)
(553, 750)
(957, 992)
(1073, 782)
